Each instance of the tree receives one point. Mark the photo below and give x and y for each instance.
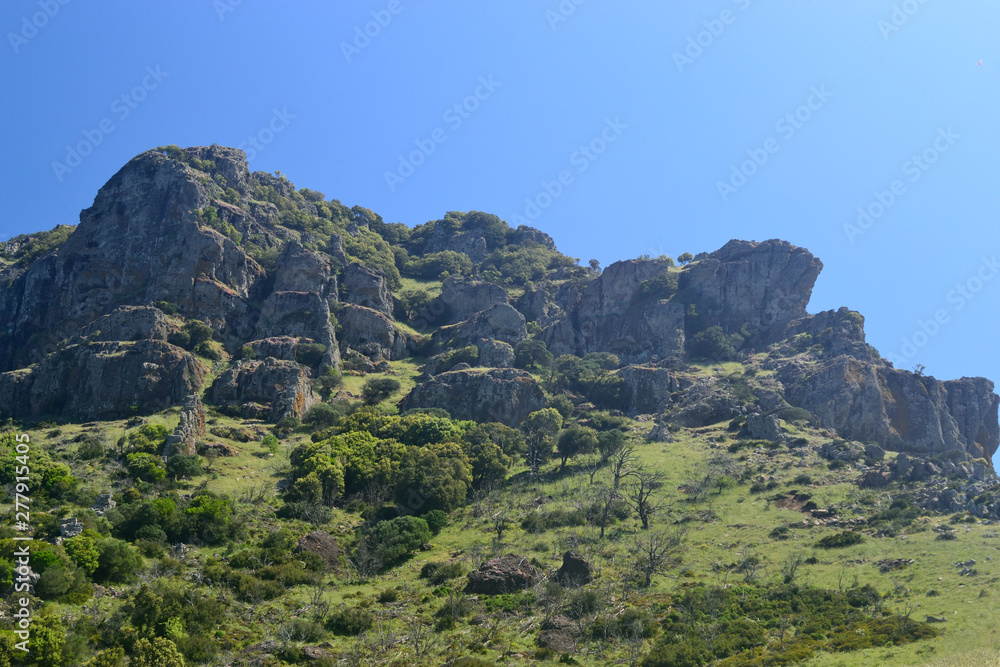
(117, 561)
(623, 464)
(376, 390)
(437, 476)
(83, 551)
(110, 657)
(610, 442)
(48, 636)
(685, 257)
(182, 465)
(575, 440)
(654, 553)
(639, 493)
(159, 652)
(595, 265)
(396, 538)
(539, 429)
(532, 353)
(324, 415)
(489, 462)
(713, 344)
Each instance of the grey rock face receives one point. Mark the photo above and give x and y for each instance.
(495, 354)
(103, 381)
(708, 401)
(299, 314)
(302, 270)
(611, 316)
(460, 299)
(897, 409)
(130, 323)
(507, 396)
(762, 427)
(367, 287)
(650, 390)
(281, 386)
(501, 322)
(763, 286)
(372, 334)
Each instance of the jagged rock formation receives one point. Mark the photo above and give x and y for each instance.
(506, 574)
(507, 396)
(92, 320)
(184, 439)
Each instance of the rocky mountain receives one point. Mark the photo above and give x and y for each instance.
(192, 279)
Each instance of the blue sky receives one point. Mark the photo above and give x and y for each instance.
(641, 121)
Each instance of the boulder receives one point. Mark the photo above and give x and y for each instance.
(649, 390)
(495, 354)
(574, 571)
(708, 401)
(282, 386)
(762, 427)
(898, 410)
(278, 347)
(558, 634)
(189, 430)
(506, 574)
(507, 396)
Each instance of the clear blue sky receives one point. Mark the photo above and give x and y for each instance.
(224, 67)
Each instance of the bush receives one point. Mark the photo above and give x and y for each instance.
(438, 574)
(309, 354)
(376, 390)
(714, 345)
(182, 465)
(397, 538)
(116, 561)
(320, 416)
(350, 621)
(847, 538)
(436, 520)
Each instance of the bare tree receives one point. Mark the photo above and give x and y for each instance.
(655, 552)
(606, 506)
(790, 566)
(592, 465)
(500, 521)
(639, 494)
(623, 464)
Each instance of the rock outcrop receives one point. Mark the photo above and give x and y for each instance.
(372, 333)
(184, 439)
(461, 299)
(507, 396)
(899, 410)
(102, 381)
(574, 571)
(282, 387)
(506, 574)
(501, 322)
(367, 287)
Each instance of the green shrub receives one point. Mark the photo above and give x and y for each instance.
(847, 538)
(350, 621)
(436, 520)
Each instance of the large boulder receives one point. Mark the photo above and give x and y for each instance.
(507, 396)
(282, 387)
(130, 323)
(615, 314)
(574, 571)
(323, 545)
(301, 315)
(108, 380)
(650, 390)
(707, 401)
(506, 574)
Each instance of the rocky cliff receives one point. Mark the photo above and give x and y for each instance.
(187, 262)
